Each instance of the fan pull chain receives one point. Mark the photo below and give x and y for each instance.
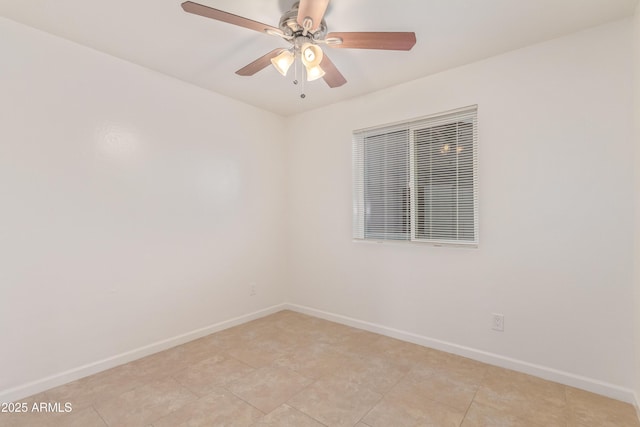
(296, 78)
(295, 67)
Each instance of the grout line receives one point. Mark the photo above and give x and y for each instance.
(300, 410)
(481, 382)
(308, 415)
(250, 404)
(99, 415)
(382, 396)
(314, 381)
(470, 403)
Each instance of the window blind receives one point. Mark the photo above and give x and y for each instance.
(417, 180)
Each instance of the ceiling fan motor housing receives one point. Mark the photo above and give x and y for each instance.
(290, 27)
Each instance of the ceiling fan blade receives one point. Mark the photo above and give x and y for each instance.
(260, 63)
(219, 15)
(332, 76)
(374, 40)
(313, 9)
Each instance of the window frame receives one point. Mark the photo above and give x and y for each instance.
(359, 136)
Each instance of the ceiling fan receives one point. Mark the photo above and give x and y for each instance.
(305, 29)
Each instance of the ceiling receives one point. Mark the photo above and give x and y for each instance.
(159, 35)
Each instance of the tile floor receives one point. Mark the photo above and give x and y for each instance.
(288, 369)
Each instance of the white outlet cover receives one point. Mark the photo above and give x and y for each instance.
(497, 322)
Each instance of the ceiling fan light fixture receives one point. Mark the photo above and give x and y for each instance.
(311, 55)
(282, 62)
(314, 73)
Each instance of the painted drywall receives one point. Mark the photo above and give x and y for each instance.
(636, 257)
(556, 201)
(134, 208)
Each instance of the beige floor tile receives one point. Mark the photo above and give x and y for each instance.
(360, 343)
(453, 366)
(210, 374)
(589, 409)
(258, 354)
(400, 352)
(269, 387)
(261, 332)
(335, 402)
(286, 416)
(372, 372)
(452, 390)
(485, 416)
(408, 354)
(331, 332)
(95, 388)
(410, 403)
(23, 419)
(87, 417)
(430, 414)
(309, 329)
(315, 360)
(200, 349)
(219, 408)
(167, 362)
(523, 396)
(145, 403)
(257, 345)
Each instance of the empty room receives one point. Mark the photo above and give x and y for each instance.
(320, 213)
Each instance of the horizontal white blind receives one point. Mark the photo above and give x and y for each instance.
(417, 180)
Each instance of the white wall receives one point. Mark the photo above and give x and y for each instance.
(133, 208)
(556, 191)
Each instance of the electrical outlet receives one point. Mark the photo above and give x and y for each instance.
(497, 322)
(252, 289)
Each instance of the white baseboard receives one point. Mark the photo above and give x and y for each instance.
(585, 383)
(29, 389)
(566, 378)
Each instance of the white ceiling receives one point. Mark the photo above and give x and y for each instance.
(159, 35)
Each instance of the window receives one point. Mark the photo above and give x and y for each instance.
(417, 181)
